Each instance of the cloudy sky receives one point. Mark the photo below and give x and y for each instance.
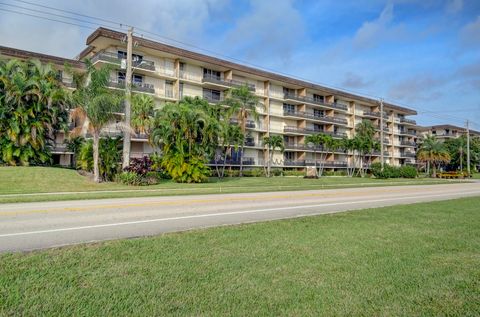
(423, 54)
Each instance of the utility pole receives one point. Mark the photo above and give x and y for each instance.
(128, 95)
(468, 149)
(381, 134)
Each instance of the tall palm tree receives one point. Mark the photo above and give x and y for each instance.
(433, 152)
(364, 143)
(231, 137)
(142, 113)
(328, 144)
(272, 143)
(96, 108)
(242, 103)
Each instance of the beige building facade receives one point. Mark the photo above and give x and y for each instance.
(287, 106)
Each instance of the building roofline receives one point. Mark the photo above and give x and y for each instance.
(108, 33)
(22, 54)
(448, 126)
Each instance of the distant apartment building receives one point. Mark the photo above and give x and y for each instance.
(287, 106)
(445, 131)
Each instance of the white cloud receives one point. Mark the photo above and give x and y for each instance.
(268, 29)
(454, 6)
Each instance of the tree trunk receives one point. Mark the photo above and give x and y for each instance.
(96, 172)
(270, 164)
(434, 171)
(428, 168)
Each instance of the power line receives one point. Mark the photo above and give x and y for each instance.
(46, 18)
(49, 13)
(166, 39)
(71, 12)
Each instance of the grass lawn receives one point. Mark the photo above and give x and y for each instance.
(35, 180)
(421, 259)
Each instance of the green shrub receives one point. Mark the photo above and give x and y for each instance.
(293, 173)
(408, 171)
(254, 172)
(129, 178)
(392, 171)
(276, 171)
(184, 170)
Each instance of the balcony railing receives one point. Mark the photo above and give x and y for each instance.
(408, 143)
(328, 164)
(249, 124)
(115, 59)
(312, 131)
(315, 101)
(305, 147)
(407, 132)
(303, 114)
(249, 142)
(409, 121)
(142, 87)
(408, 154)
(375, 114)
(226, 82)
(245, 160)
(386, 129)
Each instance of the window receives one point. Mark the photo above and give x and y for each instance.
(169, 88)
(288, 108)
(288, 91)
(318, 113)
(135, 57)
(318, 98)
(181, 65)
(180, 90)
(210, 73)
(211, 94)
(121, 76)
(289, 156)
(137, 79)
(318, 127)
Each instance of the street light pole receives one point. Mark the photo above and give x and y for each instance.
(128, 95)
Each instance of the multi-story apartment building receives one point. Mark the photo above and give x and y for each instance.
(445, 131)
(287, 106)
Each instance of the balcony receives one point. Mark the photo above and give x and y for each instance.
(385, 129)
(310, 100)
(307, 115)
(327, 164)
(407, 132)
(408, 121)
(249, 124)
(226, 82)
(374, 114)
(245, 161)
(291, 129)
(408, 143)
(113, 58)
(249, 142)
(140, 87)
(408, 154)
(294, 163)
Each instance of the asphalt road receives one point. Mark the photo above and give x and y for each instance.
(29, 226)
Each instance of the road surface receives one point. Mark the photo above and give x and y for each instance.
(29, 226)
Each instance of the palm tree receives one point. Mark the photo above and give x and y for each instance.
(242, 103)
(142, 113)
(364, 143)
(272, 143)
(96, 107)
(33, 106)
(432, 151)
(328, 144)
(231, 137)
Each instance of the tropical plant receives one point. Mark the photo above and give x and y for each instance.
(328, 146)
(272, 143)
(110, 154)
(457, 148)
(363, 145)
(96, 107)
(33, 106)
(73, 145)
(231, 138)
(142, 113)
(432, 152)
(188, 137)
(241, 103)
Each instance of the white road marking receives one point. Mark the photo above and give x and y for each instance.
(230, 213)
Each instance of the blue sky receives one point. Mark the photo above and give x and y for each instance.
(420, 54)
